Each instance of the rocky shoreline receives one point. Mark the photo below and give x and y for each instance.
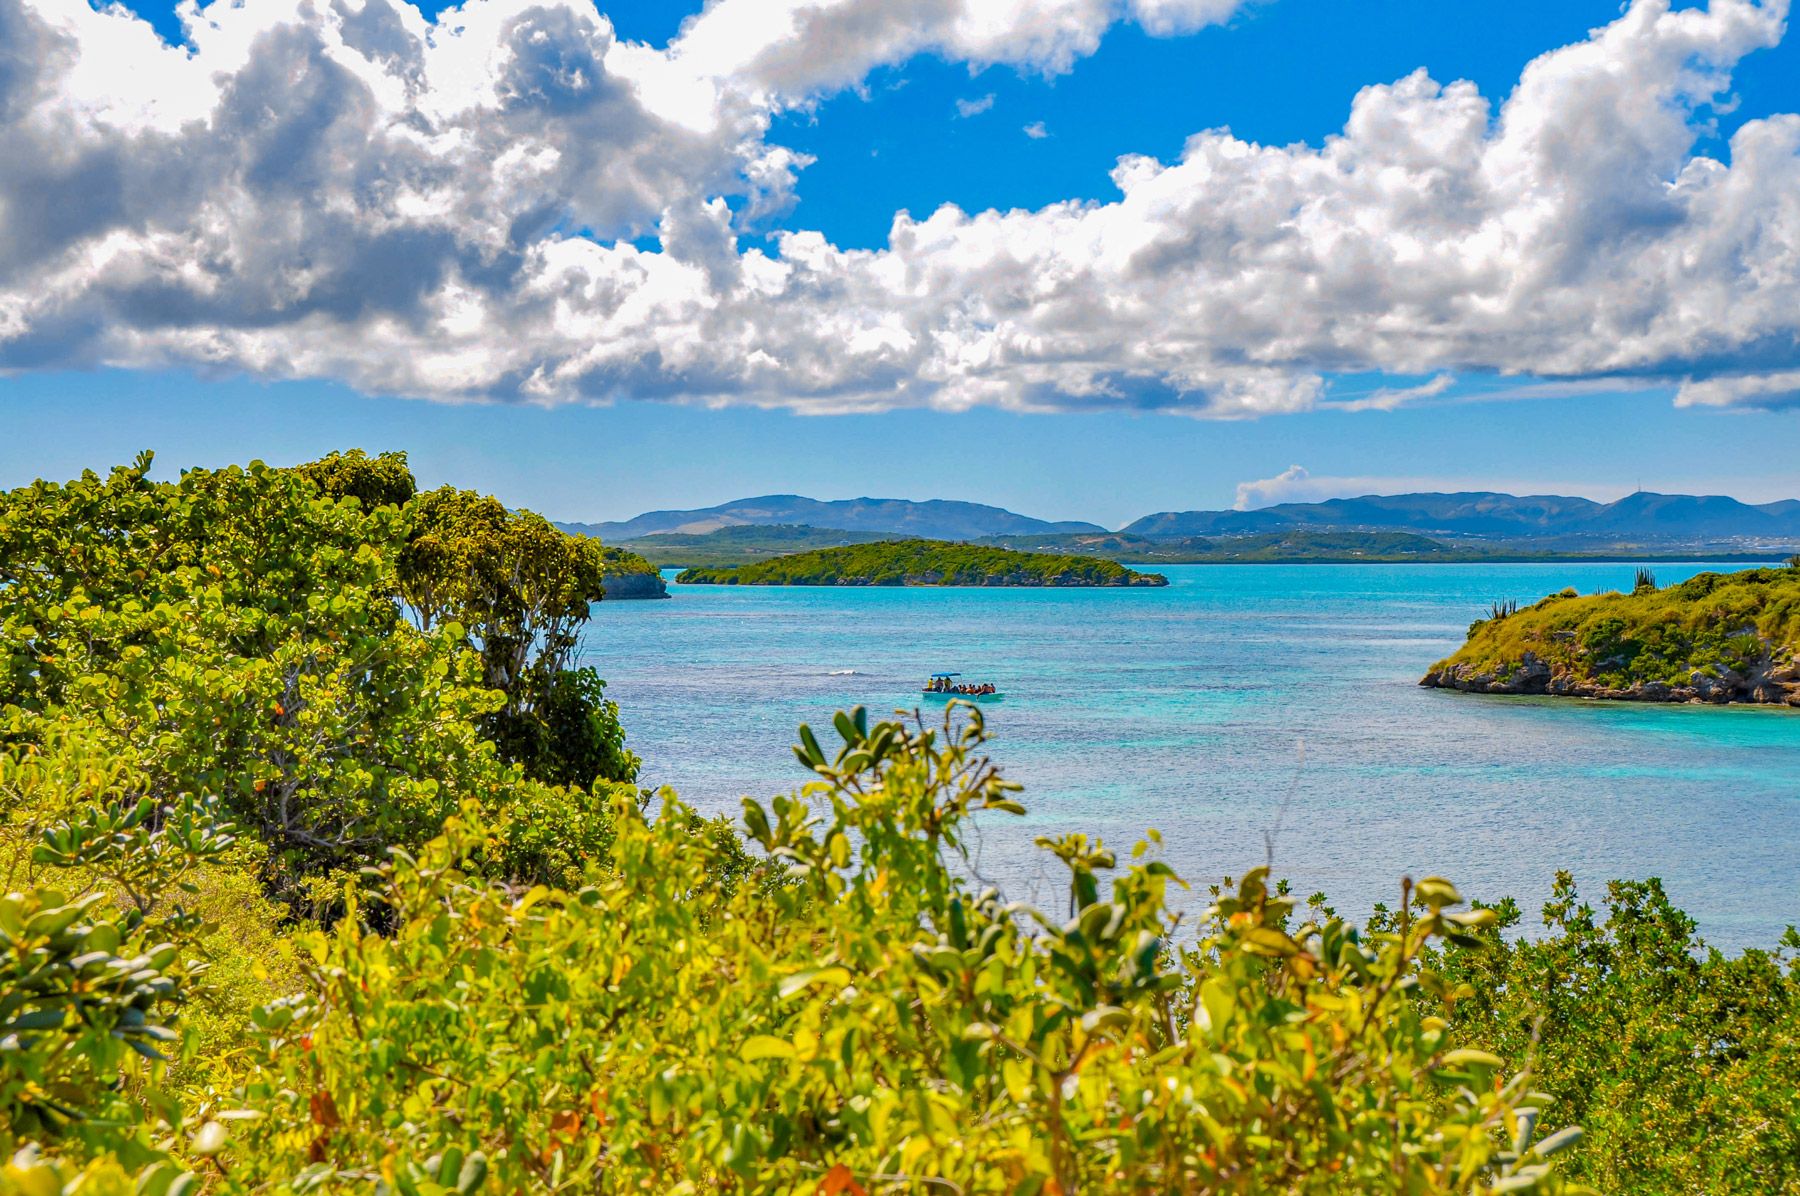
(1770, 683)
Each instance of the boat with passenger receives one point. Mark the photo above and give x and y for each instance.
(948, 685)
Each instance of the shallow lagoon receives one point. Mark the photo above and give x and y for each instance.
(1201, 708)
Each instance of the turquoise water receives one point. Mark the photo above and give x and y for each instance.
(1202, 708)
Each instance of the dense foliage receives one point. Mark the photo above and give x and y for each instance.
(1716, 636)
(923, 563)
(1681, 1063)
(287, 913)
(242, 634)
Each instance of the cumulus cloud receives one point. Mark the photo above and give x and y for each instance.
(1286, 486)
(790, 50)
(454, 208)
(1036, 130)
(968, 108)
(1296, 484)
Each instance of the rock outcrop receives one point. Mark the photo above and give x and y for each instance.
(635, 585)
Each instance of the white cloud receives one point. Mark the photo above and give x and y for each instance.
(786, 51)
(1293, 484)
(1036, 131)
(345, 189)
(1392, 398)
(968, 108)
(1778, 389)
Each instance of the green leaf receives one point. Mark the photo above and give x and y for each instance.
(208, 1140)
(834, 976)
(765, 1046)
(1561, 1140)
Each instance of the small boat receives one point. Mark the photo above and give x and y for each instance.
(945, 686)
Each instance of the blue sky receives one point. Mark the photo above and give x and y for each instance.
(1278, 72)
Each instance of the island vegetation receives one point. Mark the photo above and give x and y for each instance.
(328, 872)
(630, 576)
(923, 563)
(1717, 637)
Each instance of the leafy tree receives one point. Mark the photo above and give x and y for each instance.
(234, 634)
(238, 634)
(519, 590)
(379, 481)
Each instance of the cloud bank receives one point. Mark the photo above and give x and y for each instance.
(455, 209)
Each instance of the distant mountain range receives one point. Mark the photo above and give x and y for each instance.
(1486, 515)
(1644, 517)
(937, 519)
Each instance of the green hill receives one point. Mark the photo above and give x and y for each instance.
(924, 563)
(744, 543)
(1717, 637)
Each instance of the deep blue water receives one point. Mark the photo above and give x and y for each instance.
(1201, 708)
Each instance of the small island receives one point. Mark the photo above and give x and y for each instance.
(630, 576)
(923, 563)
(1717, 637)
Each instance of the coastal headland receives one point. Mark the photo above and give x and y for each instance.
(1717, 637)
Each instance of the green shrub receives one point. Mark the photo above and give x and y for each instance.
(871, 1020)
(1680, 1063)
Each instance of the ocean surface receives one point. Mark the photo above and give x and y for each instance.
(1240, 702)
